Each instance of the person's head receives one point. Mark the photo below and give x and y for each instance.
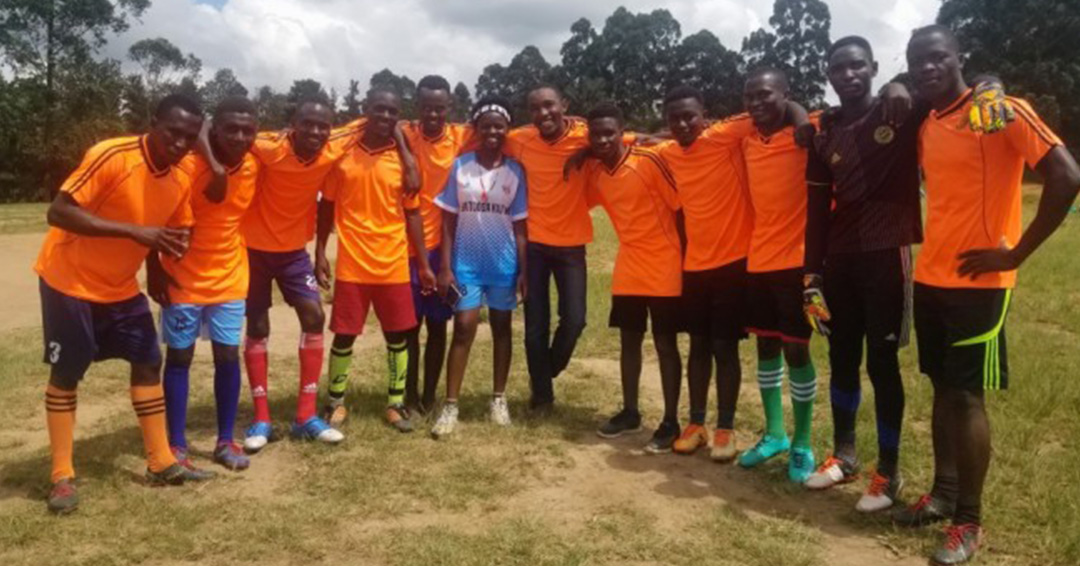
(382, 108)
(605, 131)
(311, 125)
(851, 67)
(547, 107)
(491, 119)
(434, 101)
(234, 128)
(684, 111)
(174, 128)
(765, 96)
(933, 57)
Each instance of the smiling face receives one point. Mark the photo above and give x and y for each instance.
(382, 109)
(232, 135)
(851, 72)
(434, 106)
(765, 97)
(547, 108)
(491, 130)
(311, 126)
(172, 136)
(934, 64)
(686, 119)
(605, 138)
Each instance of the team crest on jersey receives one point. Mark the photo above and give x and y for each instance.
(835, 158)
(884, 135)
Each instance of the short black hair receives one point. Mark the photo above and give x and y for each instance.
(316, 99)
(235, 104)
(381, 90)
(856, 40)
(682, 92)
(553, 88)
(433, 82)
(606, 109)
(945, 31)
(762, 71)
(491, 100)
(181, 101)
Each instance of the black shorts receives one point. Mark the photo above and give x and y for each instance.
(961, 336)
(869, 297)
(714, 301)
(775, 299)
(632, 313)
(78, 332)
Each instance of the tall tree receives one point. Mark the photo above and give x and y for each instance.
(527, 70)
(223, 85)
(703, 62)
(1034, 50)
(353, 104)
(581, 75)
(638, 51)
(273, 108)
(163, 65)
(796, 44)
(462, 103)
(402, 86)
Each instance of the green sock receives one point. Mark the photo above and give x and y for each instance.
(770, 375)
(803, 393)
(340, 359)
(397, 360)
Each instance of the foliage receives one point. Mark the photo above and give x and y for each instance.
(796, 45)
(403, 87)
(462, 103)
(222, 86)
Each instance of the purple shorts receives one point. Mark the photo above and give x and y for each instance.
(430, 307)
(79, 332)
(293, 272)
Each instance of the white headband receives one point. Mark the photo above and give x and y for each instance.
(490, 108)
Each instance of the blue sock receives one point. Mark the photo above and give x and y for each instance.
(226, 397)
(175, 384)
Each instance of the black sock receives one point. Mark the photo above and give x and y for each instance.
(968, 513)
(946, 488)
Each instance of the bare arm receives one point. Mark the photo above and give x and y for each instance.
(411, 180)
(66, 214)
(446, 250)
(215, 191)
(521, 238)
(414, 227)
(324, 225)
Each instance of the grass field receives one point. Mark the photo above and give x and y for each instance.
(544, 492)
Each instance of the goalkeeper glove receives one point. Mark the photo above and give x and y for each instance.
(814, 307)
(990, 110)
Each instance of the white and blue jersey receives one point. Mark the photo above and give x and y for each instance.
(487, 203)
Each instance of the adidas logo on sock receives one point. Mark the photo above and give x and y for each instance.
(311, 388)
(258, 391)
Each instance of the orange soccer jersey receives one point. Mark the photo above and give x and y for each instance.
(434, 157)
(776, 169)
(215, 267)
(712, 190)
(973, 189)
(282, 217)
(369, 215)
(640, 197)
(116, 181)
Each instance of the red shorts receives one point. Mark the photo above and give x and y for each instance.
(393, 306)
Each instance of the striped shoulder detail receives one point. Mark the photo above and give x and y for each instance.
(661, 165)
(736, 118)
(1027, 113)
(115, 148)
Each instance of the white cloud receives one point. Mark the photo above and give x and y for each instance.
(277, 41)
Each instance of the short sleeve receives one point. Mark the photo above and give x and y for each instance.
(515, 142)
(101, 168)
(448, 198)
(817, 171)
(332, 185)
(1028, 135)
(730, 132)
(519, 208)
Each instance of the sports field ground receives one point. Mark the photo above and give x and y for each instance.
(544, 492)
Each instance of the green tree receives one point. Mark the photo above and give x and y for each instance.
(353, 104)
(797, 45)
(526, 71)
(462, 103)
(638, 54)
(222, 86)
(581, 75)
(273, 108)
(402, 86)
(1035, 50)
(163, 65)
(703, 62)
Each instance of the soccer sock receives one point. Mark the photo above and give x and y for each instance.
(967, 513)
(340, 359)
(946, 487)
(845, 407)
(60, 415)
(803, 393)
(175, 384)
(255, 358)
(311, 356)
(770, 378)
(397, 362)
(226, 397)
(888, 448)
(149, 403)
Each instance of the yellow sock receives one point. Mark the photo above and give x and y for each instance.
(60, 415)
(149, 403)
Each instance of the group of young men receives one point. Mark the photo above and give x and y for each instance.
(773, 223)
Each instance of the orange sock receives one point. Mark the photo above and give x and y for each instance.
(149, 402)
(60, 415)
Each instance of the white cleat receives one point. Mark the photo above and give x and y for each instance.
(500, 412)
(446, 423)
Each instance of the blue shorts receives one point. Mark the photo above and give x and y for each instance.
(293, 272)
(79, 332)
(498, 297)
(432, 307)
(222, 323)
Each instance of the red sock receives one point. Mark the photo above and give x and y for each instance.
(255, 359)
(311, 359)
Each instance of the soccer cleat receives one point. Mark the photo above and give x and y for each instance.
(881, 494)
(397, 416)
(335, 412)
(961, 542)
(766, 449)
(928, 509)
(665, 436)
(173, 475)
(317, 429)
(230, 455)
(192, 472)
(624, 422)
(63, 498)
(693, 437)
(723, 446)
(800, 464)
(500, 412)
(257, 436)
(834, 471)
(447, 421)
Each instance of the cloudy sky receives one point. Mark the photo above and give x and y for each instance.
(276, 41)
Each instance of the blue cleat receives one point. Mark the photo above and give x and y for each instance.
(230, 455)
(257, 436)
(766, 449)
(317, 429)
(800, 464)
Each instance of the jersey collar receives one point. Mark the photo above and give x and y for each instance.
(144, 147)
(292, 147)
(369, 151)
(955, 105)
